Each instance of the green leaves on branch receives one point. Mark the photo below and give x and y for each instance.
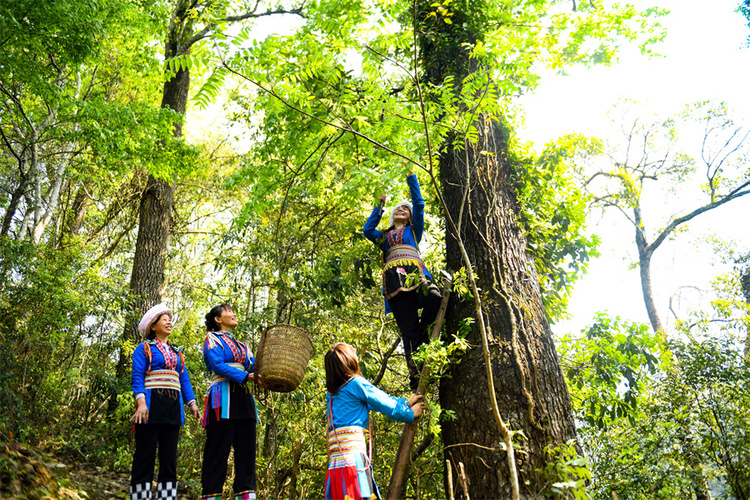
(593, 35)
(566, 472)
(553, 212)
(609, 369)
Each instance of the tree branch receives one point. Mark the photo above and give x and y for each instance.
(348, 128)
(740, 191)
(242, 17)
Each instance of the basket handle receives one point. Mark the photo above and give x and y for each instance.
(258, 358)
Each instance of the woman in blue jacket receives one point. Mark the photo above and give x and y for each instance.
(160, 384)
(230, 414)
(350, 398)
(407, 283)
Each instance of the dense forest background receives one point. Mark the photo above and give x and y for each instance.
(112, 199)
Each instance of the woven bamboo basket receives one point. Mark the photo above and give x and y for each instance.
(283, 355)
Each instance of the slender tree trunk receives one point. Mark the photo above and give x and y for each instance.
(15, 200)
(270, 435)
(155, 215)
(745, 285)
(648, 294)
(80, 204)
(530, 386)
(645, 252)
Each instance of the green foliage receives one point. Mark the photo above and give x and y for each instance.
(439, 356)
(461, 285)
(610, 368)
(274, 230)
(566, 472)
(553, 210)
(48, 336)
(664, 421)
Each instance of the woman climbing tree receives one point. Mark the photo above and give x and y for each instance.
(407, 284)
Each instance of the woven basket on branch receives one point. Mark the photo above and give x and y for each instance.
(283, 354)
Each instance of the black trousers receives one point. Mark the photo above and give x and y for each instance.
(405, 307)
(147, 438)
(221, 436)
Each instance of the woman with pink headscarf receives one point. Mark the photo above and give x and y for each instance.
(161, 385)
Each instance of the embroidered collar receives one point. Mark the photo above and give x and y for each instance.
(168, 352)
(239, 350)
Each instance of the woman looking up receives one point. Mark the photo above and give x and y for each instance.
(407, 284)
(160, 384)
(349, 399)
(230, 414)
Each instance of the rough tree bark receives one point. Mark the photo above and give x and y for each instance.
(155, 213)
(529, 385)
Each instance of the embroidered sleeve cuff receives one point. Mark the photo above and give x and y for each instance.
(139, 395)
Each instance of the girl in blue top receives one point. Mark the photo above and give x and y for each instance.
(407, 283)
(350, 398)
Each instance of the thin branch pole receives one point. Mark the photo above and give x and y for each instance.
(449, 472)
(462, 479)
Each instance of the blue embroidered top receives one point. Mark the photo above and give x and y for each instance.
(145, 362)
(351, 404)
(411, 236)
(224, 355)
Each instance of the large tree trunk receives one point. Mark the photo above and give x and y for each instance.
(529, 384)
(481, 198)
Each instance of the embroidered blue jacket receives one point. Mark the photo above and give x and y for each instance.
(141, 367)
(217, 355)
(412, 238)
(357, 397)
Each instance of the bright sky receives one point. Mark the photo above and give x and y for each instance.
(706, 57)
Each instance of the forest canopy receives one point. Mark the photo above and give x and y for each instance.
(115, 195)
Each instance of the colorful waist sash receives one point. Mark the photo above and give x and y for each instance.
(218, 378)
(349, 472)
(403, 270)
(401, 255)
(346, 440)
(163, 379)
(217, 395)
